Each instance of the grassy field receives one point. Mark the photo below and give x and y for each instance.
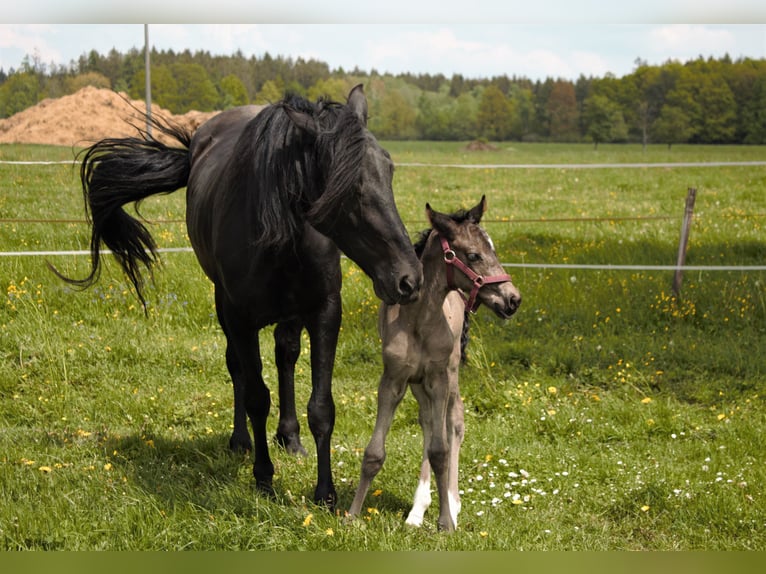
(606, 415)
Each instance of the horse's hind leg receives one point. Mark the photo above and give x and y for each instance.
(240, 437)
(422, 498)
(287, 341)
(455, 432)
(243, 358)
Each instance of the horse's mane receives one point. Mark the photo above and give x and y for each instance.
(291, 176)
(420, 244)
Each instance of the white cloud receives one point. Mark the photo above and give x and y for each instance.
(689, 39)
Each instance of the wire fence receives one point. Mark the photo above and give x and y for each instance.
(573, 266)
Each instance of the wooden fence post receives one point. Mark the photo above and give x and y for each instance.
(681, 259)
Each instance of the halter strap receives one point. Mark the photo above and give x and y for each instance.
(479, 281)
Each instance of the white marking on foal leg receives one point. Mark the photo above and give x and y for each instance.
(420, 503)
(454, 506)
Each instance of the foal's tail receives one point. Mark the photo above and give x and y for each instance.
(118, 171)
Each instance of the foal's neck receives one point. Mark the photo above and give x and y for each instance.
(435, 288)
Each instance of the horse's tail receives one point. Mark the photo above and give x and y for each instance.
(464, 337)
(118, 171)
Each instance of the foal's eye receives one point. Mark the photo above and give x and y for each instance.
(473, 257)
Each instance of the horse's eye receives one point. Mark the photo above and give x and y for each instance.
(473, 257)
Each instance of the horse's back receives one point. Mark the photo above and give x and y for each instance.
(217, 136)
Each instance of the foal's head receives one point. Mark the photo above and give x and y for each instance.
(475, 266)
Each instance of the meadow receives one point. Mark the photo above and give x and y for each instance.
(607, 414)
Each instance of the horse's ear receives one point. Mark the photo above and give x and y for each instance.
(357, 101)
(477, 211)
(442, 223)
(302, 120)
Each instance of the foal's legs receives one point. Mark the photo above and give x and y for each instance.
(323, 328)
(438, 443)
(287, 341)
(390, 394)
(422, 499)
(455, 432)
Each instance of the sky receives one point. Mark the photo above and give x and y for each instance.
(554, 39)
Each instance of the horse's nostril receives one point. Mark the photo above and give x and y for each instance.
(407, 285)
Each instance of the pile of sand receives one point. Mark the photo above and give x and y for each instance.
(85, 117)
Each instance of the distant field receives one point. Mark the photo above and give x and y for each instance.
(606, 415)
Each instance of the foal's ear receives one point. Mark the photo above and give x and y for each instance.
(442, 223)
(357, 101)
(477, 211)
(302, 120)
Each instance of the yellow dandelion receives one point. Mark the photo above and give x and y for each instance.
(517, 501)
(108, 466)
(483, 533)
(552, 390)
(372, 511)
(329, 532)
(645, 508)
(646, 400)
(650, 422)
(721, 416)
(45, 469)
(308, 519)
(378, 492)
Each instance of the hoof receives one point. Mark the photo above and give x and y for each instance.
(329, 500)
(291, 443)
(240, 444)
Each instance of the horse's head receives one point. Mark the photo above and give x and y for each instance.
(356, 208)
(473, 266)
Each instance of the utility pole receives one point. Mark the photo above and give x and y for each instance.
(148, 81)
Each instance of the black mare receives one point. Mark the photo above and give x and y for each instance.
(270, 198)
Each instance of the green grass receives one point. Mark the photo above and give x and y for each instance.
(605, 415)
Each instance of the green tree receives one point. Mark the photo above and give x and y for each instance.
(562, 112)
(19, 92)
(233, 92)
(603, 120)
(196, 90)
(434, 116)
(672, 126)
(494, 120)
(754, 114)
(397, 119)
(336, 89)
(164, 87)
(463, 114)
(271, 92)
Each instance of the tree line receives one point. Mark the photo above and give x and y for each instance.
(709, 101)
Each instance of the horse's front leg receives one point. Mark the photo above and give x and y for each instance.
(390, 393)
(323, 328)
(287, 348)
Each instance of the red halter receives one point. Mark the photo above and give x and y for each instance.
(471, 303)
